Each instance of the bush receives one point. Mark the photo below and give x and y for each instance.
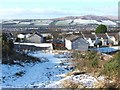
(86, 61)
(90, 55)
(19, 57)
(94, 63)
(91, 62)
(113, 66)
(79, 60)
(92, 58)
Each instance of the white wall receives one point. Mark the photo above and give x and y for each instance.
(49, 45)
(68, 44)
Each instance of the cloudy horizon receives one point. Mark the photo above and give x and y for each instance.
(54, 9)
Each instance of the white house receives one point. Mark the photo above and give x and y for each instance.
(75, 42)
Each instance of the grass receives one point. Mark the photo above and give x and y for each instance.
(70, 84)
(91, 62)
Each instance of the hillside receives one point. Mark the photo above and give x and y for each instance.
(63, 21)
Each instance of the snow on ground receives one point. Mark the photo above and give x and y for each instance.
(83, 21)
(108, 49)
(85, 79)
(37, 74)
(108, 22)
(49, 74)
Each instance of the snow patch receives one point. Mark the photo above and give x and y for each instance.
(36, 75)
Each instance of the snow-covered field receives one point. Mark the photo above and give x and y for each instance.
(47, 74)
(37, 74)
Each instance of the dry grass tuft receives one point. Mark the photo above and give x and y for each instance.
(71, 84)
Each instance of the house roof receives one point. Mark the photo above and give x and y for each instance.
(100, 35)
(89, 36)
(33, 34)
(72, 37)
(114, 34)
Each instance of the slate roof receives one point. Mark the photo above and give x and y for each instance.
(90, 36)
(101, 35)
(72, 37)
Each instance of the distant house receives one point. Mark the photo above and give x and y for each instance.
(105, 39)
(48, 37)
(112, 37)
(89, 38)
(75, 42)
(32, 41)
(33, 38)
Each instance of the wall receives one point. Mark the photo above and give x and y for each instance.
(33, 46)
(68, 44)
(80, 44)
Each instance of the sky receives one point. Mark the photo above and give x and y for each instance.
(44, 9)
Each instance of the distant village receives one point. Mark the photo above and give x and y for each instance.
(61, 34)
(83, 41)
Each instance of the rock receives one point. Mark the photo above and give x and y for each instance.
(61, 64)
(78, 73)
(106, 57)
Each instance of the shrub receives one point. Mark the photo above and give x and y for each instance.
(94, 63)
(92, 59)
(86, 61)
(113, 66)
(20, 57)
(90, 55)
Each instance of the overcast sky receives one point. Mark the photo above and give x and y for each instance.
(10, 9)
